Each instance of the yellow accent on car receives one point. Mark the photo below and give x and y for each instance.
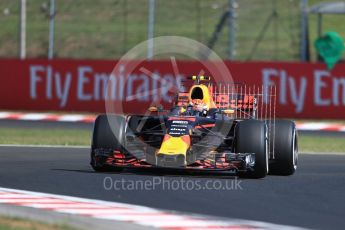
(206, 97)
(229, 111)
(201, 78)
(153, 109)
(173, 146)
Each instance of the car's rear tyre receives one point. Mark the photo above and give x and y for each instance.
(105, 137)
(251, 137)
(285, 148)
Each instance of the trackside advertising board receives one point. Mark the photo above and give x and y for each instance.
(304, 90)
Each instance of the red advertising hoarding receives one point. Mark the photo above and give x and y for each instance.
(304, 90)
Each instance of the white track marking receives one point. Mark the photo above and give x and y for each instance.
(47, 146)
(32, 201)
(312, 126)
(320, 126)
(9, 196)
(4, 115)
(47, 117)
(71, 118)
(115, 211)
(61, 206)
(126, 217)
(34, 116)
(306, 126)
(100, 212)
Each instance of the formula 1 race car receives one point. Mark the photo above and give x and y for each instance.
(212, 127)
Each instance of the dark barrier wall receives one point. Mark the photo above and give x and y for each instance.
(304, 90)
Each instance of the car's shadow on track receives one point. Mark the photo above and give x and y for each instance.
(157, 172)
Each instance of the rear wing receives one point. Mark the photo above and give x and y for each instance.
(248, 102)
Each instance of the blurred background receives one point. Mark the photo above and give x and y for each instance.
(56, 58)
(77, 42)
(106, 29)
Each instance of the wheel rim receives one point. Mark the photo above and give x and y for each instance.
(267, 151)
(295, 150)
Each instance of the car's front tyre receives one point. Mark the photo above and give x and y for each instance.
(108, 134)
(251, 137)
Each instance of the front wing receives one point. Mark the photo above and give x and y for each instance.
(229, 162)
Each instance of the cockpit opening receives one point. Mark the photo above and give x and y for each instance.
(197, 93)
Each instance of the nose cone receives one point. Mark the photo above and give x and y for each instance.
(173, 150)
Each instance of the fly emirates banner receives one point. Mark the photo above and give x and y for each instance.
(304, 90)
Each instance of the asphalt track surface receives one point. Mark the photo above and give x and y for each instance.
(313, 197)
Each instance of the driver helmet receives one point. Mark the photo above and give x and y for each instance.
(199, 105)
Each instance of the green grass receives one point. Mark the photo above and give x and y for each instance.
(67, 137)
(10, 223)
(109, 28)
(330, 121)
(321, 144)
(35, 136)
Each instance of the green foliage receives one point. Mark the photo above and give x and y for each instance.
(330, 47)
